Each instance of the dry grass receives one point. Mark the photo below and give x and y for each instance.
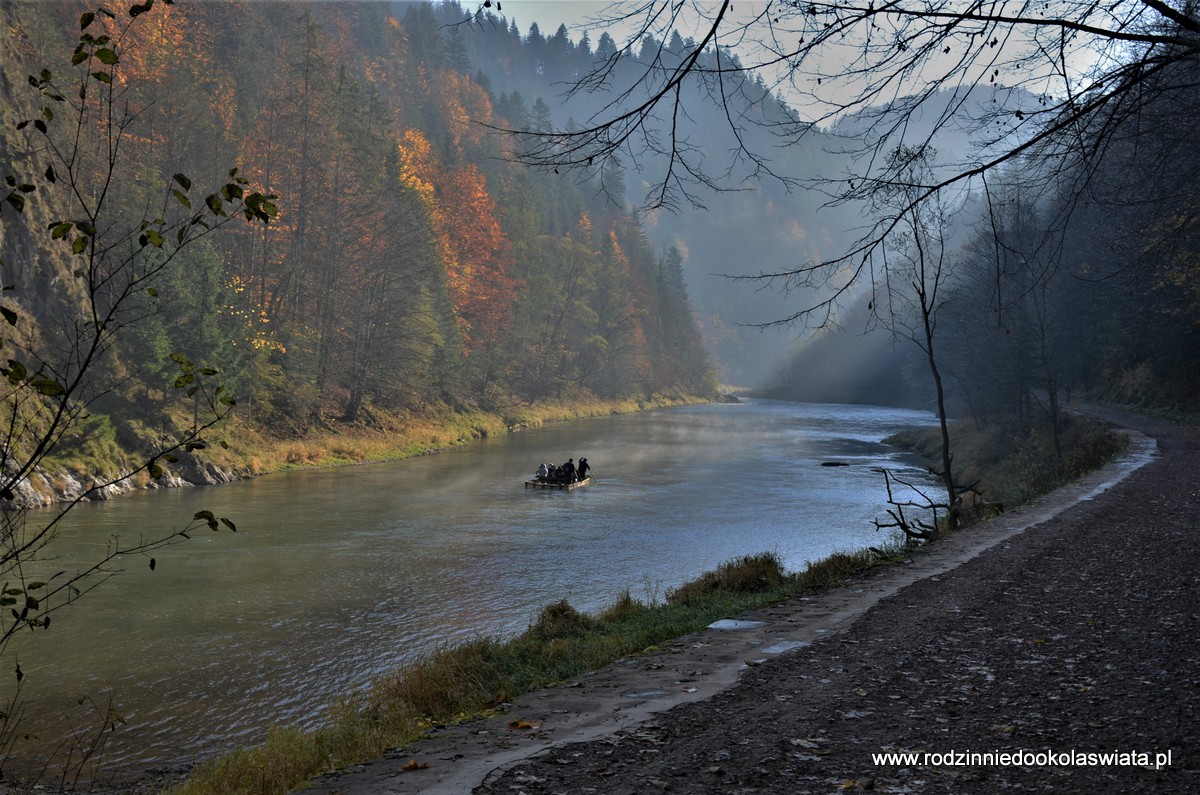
(836, 568)
(1015, 466)
(399, 435)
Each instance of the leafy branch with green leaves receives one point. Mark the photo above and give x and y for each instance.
(81, 145)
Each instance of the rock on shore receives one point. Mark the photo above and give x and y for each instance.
(46, 488)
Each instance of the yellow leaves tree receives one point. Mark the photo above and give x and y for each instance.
(474, 249)
(463, 109)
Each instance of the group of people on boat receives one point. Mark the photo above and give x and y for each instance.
(563, 473)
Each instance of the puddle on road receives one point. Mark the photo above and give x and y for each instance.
(734, 623)
(782, 646)
(647, 694)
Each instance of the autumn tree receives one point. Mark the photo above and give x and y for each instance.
(471, 244)
(396, 338)
(555, 324)
(309, 272)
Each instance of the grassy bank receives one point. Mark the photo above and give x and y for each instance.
(386, 436)
(454, 684)
(98, 450)
(1015, 465)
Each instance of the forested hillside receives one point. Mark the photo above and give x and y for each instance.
(1069, 272)
(410, 265)
(755, 223)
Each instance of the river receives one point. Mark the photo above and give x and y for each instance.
(337, 575)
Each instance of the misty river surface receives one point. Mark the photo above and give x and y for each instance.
(337, 575)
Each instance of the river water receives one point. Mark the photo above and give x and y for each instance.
(337, 575)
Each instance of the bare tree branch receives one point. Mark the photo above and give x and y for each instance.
(1068, 75)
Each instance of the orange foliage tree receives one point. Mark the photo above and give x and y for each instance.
(473, 247)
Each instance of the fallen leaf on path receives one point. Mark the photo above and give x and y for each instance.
(413, 764)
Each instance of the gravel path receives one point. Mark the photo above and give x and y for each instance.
(1081, 635)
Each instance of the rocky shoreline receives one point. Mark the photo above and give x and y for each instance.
(50, 487)
(44, 489)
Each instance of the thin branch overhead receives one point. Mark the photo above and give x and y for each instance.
(1065, 76)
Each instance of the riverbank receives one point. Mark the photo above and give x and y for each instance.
(1071, 631)
(749, 424)
(239, 449)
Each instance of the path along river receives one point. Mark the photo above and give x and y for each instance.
(337, 575)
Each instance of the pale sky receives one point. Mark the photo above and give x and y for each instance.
(549, 14)
(578, 15)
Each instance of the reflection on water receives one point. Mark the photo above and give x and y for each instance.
(338, 575)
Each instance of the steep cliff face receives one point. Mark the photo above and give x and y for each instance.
(65, 382)
(37, 299)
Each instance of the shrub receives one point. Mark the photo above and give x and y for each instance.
(560, 620)
(747, 574)
(625, 607)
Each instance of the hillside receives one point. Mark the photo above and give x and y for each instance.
(391, 264)
(755, 223)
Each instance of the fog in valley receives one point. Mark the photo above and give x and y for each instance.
(776, 207)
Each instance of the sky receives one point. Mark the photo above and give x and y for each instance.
(549, 14)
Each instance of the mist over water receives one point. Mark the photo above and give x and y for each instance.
(338, 575)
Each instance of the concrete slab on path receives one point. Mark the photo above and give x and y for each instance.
(456, 759)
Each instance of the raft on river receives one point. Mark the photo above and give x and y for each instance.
(536, 483)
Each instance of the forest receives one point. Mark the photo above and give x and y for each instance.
(1078, 287)
(977, 223)
(406, 265)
